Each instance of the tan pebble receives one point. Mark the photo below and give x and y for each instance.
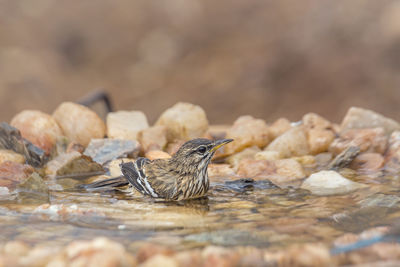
(16, 248)
(315, 121)
(39, 128)
(246, 132)
(279, 126)
(292, 143)
(268, 155)
(153, 138)
(160, 260)
(79, 123)
(251, 168)
(319, 140)
(157, 154)
(247, 153)
(125, 124)
(368, 140)
(220, 170)
(305, 160)
(368, 162)
(184, 121)
(9, 155)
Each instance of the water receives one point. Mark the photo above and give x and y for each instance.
(235, 213)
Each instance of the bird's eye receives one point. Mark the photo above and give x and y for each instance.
(202, 150)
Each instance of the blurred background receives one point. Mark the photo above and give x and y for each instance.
(268, 59)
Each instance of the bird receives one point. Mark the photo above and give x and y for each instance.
(181, 177)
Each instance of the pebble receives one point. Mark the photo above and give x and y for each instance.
(306, 255)
(79, 123)
(359, 118)
(104, 150)
(278, 127)
(125, 125)
(157, 154)
(247, 131)
(292, 143)
(39, 128)
(267, 155)
(315, 121)
(153, 138)
(72, 163)
(326, 183)
(10, 138)
(12, 174)
(319, 140)
(368, 140)
(160, 260)
(115, 169)
(251, 168)
(9, 155)
(290, 168)
(248, 153)
(184, 121)
(220, 170)
(369, 162)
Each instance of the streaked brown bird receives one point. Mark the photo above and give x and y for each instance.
(184, 176)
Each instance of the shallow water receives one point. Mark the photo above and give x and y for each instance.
(235, 213)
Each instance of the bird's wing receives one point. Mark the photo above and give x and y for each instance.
(107, 183)
(134, 172)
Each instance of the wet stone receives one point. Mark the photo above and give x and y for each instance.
(73, 164)
(10, 138)
(368, 162)
(359, 118)
(267, 155)
(245, 184)
(104, 150)
(184, 121)
(315, 121)
(319, 140)
(220, 170)
(39, 128)
(79, 123)
(126, 125)
(292, 143)
(33, 190)
(380, 200)
(326, 183)
(9, 155)
(250, 168)
(247, 131)
(248, 153)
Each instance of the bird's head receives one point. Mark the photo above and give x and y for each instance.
(198, 152)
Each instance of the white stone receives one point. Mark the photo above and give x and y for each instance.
(326, 183)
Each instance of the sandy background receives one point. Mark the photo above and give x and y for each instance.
(233, 57)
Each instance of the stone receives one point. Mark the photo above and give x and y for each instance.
(305, 160)
(319, 140)
(160, 260)
(368, 140)
(247, 131)
(252, 168)
(173, 147)
(326, 183)
(104, 150)
(73, 164)
(392, 156)
(268, 155)
(292, 143)
(359, 118)
(16, 248)
(278, 127)
(9, 155)
(39, 128)
(79, 123)
(217, 132)
(10, 138)
(345, 158)
(148, 250)
(289, 168)
(247, 153)
(157, 154)
(315, 121)
(153, 138)
(33, 189)
(306, 255)
(126, 124)
(115, 169)
(99, 252)
(12, 174)
(184, 121)
(368, 162)
(220, 171)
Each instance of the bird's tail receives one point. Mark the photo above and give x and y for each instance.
(107, 183)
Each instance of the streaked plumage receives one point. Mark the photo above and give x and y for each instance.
(184, 176)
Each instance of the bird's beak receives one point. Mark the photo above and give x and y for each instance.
(220, 143)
